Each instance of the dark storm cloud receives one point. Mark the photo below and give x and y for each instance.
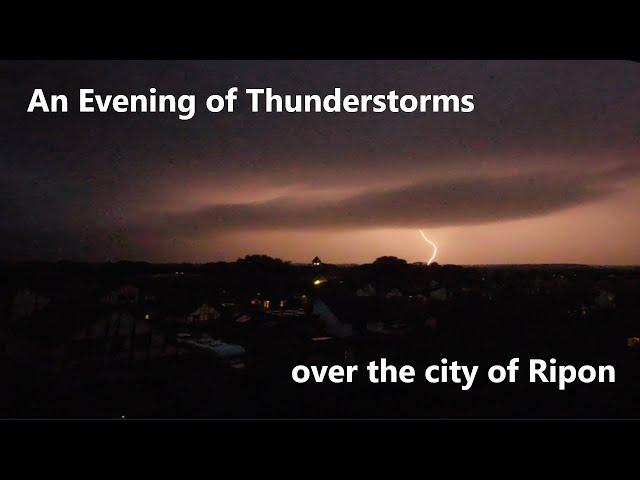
(468, 200)
(79, 183)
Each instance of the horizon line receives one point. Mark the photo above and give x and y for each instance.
(340, 264)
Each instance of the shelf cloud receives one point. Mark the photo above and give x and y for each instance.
(467, 200)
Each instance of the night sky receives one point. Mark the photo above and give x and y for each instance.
(544, 170)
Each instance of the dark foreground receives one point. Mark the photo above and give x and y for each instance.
(106, 341)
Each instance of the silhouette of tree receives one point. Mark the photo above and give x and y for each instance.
(261, 260)
(390, 260)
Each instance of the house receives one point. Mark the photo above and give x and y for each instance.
(26, 303)
(367, 291)
(393, 293)
(186, 313)
(92, 340)
(260, 302)
(332, 325)
(342, 317)
(203, 315)
(125, 295)
(439, 294)
(116, 337)
(605, 300)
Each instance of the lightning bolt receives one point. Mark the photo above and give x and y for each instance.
(435, 248)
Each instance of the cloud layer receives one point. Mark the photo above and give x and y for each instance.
(434, 203)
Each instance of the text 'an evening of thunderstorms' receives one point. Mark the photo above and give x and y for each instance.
(260, 99)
